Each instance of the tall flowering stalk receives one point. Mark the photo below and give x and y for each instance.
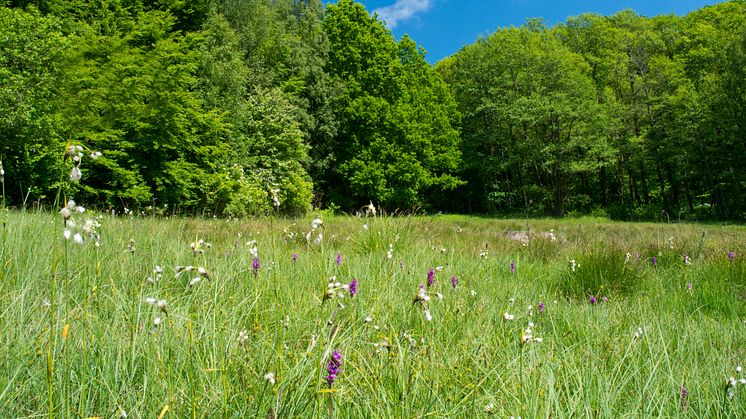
(352, 287)
(430, 278)
(512, 267)
(333, 368)
(256, 265)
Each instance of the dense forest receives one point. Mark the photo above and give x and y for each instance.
(246, 107)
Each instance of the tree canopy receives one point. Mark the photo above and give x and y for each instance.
(247, 107)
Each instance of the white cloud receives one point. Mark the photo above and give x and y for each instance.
(401, 10)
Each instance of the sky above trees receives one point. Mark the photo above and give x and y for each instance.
(442, 27)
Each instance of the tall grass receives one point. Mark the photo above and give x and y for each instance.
(468, 361)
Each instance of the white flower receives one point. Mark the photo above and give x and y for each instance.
(157, 322)
(194, 281)
(150, 300)
(439, 295)
(428, 316)
(67, 234)
(365, 227)
(270, 377)
(508, 316)
(316, 223)
(489, 408)
(75, 174)
(573, 265)
(319, 238)
(96, 155)
(371, 209)
(161, 304)
(473, 293)
(243, 336)
(368, 319)
(78, 239)
(739, 369)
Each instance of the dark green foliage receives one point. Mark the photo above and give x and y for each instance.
(396, 142)
(231, 106)
(32, 51)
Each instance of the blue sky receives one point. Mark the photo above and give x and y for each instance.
(442, 27)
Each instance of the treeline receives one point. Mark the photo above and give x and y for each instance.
(242, 107)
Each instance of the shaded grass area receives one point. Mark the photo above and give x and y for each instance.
(468, 361)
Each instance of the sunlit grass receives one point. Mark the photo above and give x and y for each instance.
(468, 361)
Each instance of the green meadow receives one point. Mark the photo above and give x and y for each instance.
(97, 330)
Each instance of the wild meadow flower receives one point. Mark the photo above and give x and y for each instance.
(454, 281)
(507, 316)
(512, 267)
(638, 333)
(194, 281)
(162, 305)
(2, 172)
(255, 265)
(243, 337)
(528, 336)
(593, 300)
(573, 265)
(78, 239)
(430, 278)
(428, 316)
(294, 257)
(421, 296)
(683, 395)
(335, 289)
(689, 286)
(352, 287)
(75, 174)
(333, 368)
(654, 261)
(316, 223)
(541, 307)
(731, 256)
(687, 260)
(339, 258)
(270, 378)
(157, 322)
(390, 252)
